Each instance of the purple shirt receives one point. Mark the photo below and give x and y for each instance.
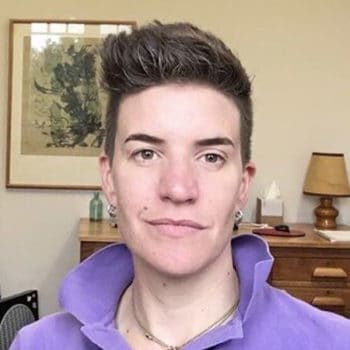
(267, 318)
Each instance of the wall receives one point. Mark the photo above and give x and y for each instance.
(298, 54)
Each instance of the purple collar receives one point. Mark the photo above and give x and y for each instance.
(91, 291)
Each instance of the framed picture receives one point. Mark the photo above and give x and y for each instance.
(55, 121)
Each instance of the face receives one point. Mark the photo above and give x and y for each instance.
(177, 176)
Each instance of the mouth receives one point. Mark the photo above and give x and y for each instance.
(176, 228)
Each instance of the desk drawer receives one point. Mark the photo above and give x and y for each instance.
(311, 269)
(88, 248)
(331, 299)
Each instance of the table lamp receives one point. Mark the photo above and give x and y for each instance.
(326, 177)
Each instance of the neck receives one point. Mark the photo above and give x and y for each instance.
(163, 303)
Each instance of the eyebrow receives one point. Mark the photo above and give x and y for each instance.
(212, 141)
(144, 138)
(215, 141)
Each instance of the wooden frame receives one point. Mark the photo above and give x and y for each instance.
(55, 124)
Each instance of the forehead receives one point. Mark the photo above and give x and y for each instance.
(175, 110)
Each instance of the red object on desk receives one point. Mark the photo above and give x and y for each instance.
(274, 232)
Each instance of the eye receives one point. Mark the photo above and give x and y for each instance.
(213, 158)
(144, 155)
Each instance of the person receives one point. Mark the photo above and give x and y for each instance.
(175, 170)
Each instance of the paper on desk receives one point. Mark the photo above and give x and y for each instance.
(335, 236)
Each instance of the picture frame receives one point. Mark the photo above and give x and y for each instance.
(55, 125)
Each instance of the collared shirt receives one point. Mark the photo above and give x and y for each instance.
(267, 318)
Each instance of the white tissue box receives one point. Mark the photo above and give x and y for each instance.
(269, 211)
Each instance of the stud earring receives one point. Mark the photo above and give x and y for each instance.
(238, 219)
(112, 210)
(238, 216)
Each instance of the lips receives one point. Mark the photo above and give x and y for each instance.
(187, 223)
(176, 228)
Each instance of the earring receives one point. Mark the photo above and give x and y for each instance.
(238, 216)
(238, 219)
(112, 210)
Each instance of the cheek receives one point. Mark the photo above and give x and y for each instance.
(133, 194)
(221, 205)
(223, 192)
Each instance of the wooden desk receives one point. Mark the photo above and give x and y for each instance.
(94, 235)
(310, 267)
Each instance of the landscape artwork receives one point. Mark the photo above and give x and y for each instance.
(61, 103)
(56, 107)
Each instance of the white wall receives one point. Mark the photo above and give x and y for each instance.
(298, 53)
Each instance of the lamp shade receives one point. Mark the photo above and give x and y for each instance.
(327, 176)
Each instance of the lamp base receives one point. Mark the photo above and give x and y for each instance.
(326, 214)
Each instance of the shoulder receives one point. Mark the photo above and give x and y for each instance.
(306, 325)
(50, 332)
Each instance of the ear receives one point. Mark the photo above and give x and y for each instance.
(107, 180)
(247, 176)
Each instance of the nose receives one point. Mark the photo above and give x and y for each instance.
(178, 183)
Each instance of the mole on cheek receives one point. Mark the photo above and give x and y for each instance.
(142, 211)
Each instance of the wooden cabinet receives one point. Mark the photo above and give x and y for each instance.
(94, 235)
(313, 269)
(310, 267)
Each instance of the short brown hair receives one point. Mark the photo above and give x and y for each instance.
(157, 54)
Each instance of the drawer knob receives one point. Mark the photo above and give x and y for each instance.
(332, 272)
(328, 301)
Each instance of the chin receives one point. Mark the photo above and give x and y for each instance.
(178, 263)
(176, 253)
(176, 271)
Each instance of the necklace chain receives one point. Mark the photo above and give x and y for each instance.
(150, 336)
